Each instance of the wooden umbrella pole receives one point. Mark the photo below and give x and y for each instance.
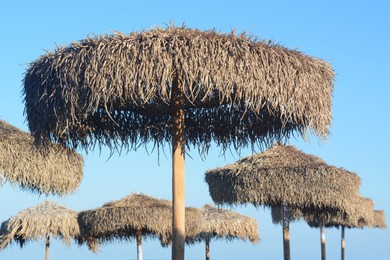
(178, 183)
(47, 247)
(342, 242)
(207, 249)
(323, 242)
(286, 232)
(139, 244)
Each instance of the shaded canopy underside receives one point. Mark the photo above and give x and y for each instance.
(116, 90)
(359, 213)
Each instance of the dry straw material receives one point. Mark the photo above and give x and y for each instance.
(52, 170)
(134, 215)
(220, 223)
(361, 213)
(379, 219)
(117, 90)
(42, 221)
(179, 86)
(123, 219)
(227, 224)
(284, 175)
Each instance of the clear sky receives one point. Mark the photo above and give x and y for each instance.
(353, 36)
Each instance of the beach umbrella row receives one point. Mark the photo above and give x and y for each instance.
(284, 177)
(364, 212)
(287, 179)
(138, 215)
(180, 86)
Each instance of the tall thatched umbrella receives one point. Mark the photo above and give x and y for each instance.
(134, 216)
(227, 224)
(42, 221)
(284, 177)
(53, 170)
(180, 86)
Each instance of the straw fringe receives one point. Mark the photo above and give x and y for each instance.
(360, 213)
(284, 175)
(122, 219)
(227, 224)
(50, 169)
(36, 223)
(116, 90)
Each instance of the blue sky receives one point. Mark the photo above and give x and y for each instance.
(353, 36)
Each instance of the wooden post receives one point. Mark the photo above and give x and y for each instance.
(286, 232)
(323, 242)
(178, 183)
(207, 249)
(47, 247)
(342, 242)
(139, 244)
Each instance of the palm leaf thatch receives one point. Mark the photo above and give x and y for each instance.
(117, 90)
(284, 175)
(42, 221)
(379, 219)
(222, 223)
(52, 170)
(134, 215)
(360, 215)
(365, 213)
(180, 86)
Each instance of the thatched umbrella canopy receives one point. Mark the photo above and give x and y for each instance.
(42, 221)
(361, 214)
(225, 224)
(285, 177)
(53, 170)
(379, 219)
(180, 86)
(134, 216)
(365, 213)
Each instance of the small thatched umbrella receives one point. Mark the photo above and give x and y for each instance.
(53, 170)
(379, 219)
(365, 213)
(134, 216)
(42, 221)
(180, 86)
(361, 215)
(284, 177)
(227, 224)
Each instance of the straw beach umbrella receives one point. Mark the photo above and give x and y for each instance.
(361, 214)
(226, 224)
(365, 213)
(42, 221)
(179, 86)
(54, 170)
(285, 177)
(134, 216)
(379, 219)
